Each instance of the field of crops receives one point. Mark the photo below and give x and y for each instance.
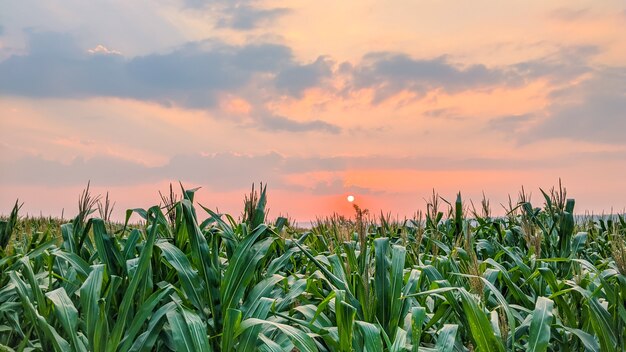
(454, 278)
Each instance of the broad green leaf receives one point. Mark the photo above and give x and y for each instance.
(398, 255)
(399, 341)
(232, 321)
(588, 340)
(145, 312)
(248, 340)
(481, 331)
(148, 338)
(108, 252)
(78, 263)
(539, 337)
(381, 281)
(90, 293)
(180, 332)
(345, 314)
(191, 284)
(204, 261)
(447, 338)
(47, 334)
(418, 315)
(129, 294)
(242, 268)
(67, 315)
(197, 330)
(269, 345)
(371, 334)
(299, 338)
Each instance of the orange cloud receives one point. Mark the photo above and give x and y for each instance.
(235, 105)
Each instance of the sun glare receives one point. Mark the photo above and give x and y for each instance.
(350, 198)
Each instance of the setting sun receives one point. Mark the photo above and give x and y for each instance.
(350, 198)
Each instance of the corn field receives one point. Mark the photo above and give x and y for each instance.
(453, 278)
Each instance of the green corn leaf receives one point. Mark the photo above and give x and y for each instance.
(334, 280)
(381, 281)
(227, 231)
(67, 315)
(539, 337)
(47, 334)
(5, 348)
(35, 290)
(371, 334)
(563, 306)
(602, 324)
(399, 341)
(248, 340)
(144, 313)
(90, 293)
(398, 256)
(148, 338)
(588, 340)
(101, 329)
(409, 288)
(260, 290)
(131, 243)
(299, 338)
(500, 299)
(269, 345)
(108, 252)
(204, 261)
(295, 290)
(345, 314)
(191, 284)
(232, 323)
(181, 336)
(242, 268)
(418, 315)
(481, 331)
(129, 295)
(599, 317)
(447, 338)
(197, 330)
(78, 263)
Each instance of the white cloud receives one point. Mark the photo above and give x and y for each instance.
(103, 50)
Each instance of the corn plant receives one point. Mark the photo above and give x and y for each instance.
(191, 279)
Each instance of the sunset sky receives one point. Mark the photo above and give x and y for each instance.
(382, 100)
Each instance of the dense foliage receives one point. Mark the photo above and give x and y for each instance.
(453, 279)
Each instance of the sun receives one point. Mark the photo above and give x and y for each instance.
(350, 198)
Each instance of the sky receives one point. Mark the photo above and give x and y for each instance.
(384, 101)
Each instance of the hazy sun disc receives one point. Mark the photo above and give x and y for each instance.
(350, 199)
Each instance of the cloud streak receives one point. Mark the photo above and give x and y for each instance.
(245, 17)
(295, 80)
(192, 76)
(391, 73)
(593, 110)
(273, 122)
(241, 15)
